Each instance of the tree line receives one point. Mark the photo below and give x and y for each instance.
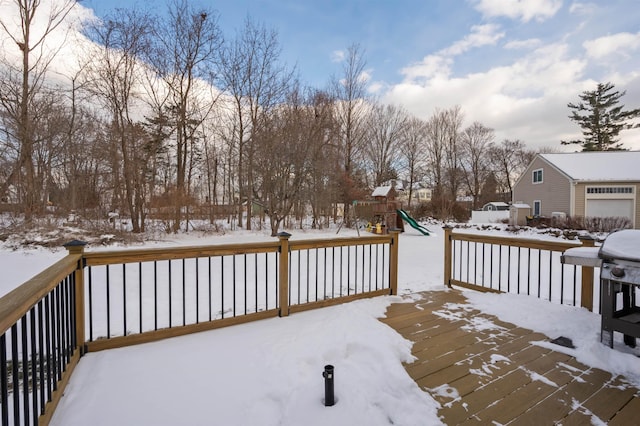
(164, 116)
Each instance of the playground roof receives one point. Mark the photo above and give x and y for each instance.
(381, 191)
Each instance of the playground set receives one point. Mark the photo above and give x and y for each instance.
(385, 212)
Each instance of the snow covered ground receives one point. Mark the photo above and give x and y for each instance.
(270, 372)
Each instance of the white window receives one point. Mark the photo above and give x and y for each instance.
(537, 176)
(610, 190)
(537, 207)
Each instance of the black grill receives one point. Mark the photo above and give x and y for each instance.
(620, 286)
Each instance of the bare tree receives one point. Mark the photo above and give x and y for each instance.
(508, 159)
(443, 132)
(257, 82)
(436, 142)
(414, 151)
(49, 130)
(351, 115)
(285, 163)
(212, 170)
(453, 152)
(22, 85)
(187, 45)
(320, 186)
(114, 78)
(85, 166)
(227, 134)
(82, 134)
(387, 125)
(475, 142)
(45, 129)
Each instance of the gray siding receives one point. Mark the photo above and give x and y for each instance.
(554, 192)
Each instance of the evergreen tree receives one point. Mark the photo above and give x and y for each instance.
(601, 119)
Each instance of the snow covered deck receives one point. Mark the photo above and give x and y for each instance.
(483, 370)
(478, 368)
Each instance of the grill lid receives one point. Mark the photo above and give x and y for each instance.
(623, 245)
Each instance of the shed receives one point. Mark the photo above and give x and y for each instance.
(518, 213)
(495, 206)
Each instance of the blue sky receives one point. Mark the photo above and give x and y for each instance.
(512, 65)
(392, 33)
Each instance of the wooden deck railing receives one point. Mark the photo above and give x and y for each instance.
(39, 336)
(98, 300)
(518, 265)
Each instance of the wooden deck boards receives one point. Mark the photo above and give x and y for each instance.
(485, 371)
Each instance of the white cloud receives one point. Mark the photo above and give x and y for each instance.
(365, 75)
(580, 8)
(65, 40)
(623, 44)
(338, 55)
(524, 100)
(432, 66)
(439, 64)
(524, 10)
(524, 97)
(481, 35)
(376, 87)
(523, 44)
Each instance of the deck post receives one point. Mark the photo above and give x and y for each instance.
(283, 284)
(447, 255)
(586, 300)
(77, 247)
(393, 261)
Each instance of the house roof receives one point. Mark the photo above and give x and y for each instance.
(598, 166)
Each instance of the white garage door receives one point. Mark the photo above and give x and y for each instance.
(610, 208)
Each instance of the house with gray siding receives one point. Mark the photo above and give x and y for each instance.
(587, 184)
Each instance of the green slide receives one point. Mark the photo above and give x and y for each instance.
(411, 221)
